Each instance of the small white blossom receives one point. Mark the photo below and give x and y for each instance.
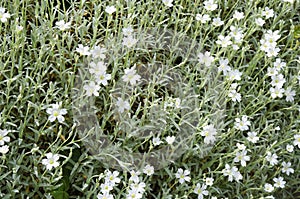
(170, 139)
(183, 175)
(91, 89)
(203, 18)
(279, 182)
(286, 168)
(51, 161)
(131, 76)
(297, 140)
(210, 5)
(148, 170)
(3, 137)
(56, 112)
(242, 124)
(168, 3)
(272, 158)
(209, 132)
(98, 52)
(62, 25)
(259, 21)
(110, 9)
(201, 190)
(129, 41)
(217, 22)
(252, 137)
(290, 148)
(4, 15)
(238, 15)
(83, 50)
(4, 149)
(268, 187)
(205, 58)
(122, 105)
(156, 141)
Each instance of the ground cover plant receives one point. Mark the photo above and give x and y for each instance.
(150, 99)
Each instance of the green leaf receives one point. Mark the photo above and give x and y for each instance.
(60, 195)
(297, 31)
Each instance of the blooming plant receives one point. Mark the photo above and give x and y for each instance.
(151, 99)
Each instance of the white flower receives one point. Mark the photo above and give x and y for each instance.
(62, 25)
(183, 175)
(4, 149)
(110, 9)
(138, 187)
(272, 52)
(205, 58)
(259, 21)
(106, 187)
(240, 146)
(4, 15)
(156, 141)
(19, 28)
(3, 137)
(168, 3)
(209, 132)
(127, 31)
(241, 156)
(272, 158)
(56, 112)
(217, 22)
(51, 161)
(297, 140)
(289, 93)
(210, 5)
(268, 13)
(237, 34)
(102, 78)
(234, 75)
(203, 18)
(98, 52)
(83, 50)
(252, 137)
(232, 173)
(131, 76)
(122, 105)
(238, 15)
(278, 64)
(91, 89)
(223, 66)
(170, 139)
(132, 194)
(289, 1)
(276, 92)
(134, 176)
(272, 71)
(290, 148)
(279, 182)
(105, 196)
(129, 41)
(148, 170)
(112, 178)
(234, 95)
(209, 181)
(97, 68)
(278, 81)
(224, 41)
(268, 187)
(242, 124)
(200, 190)
(286, 168)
